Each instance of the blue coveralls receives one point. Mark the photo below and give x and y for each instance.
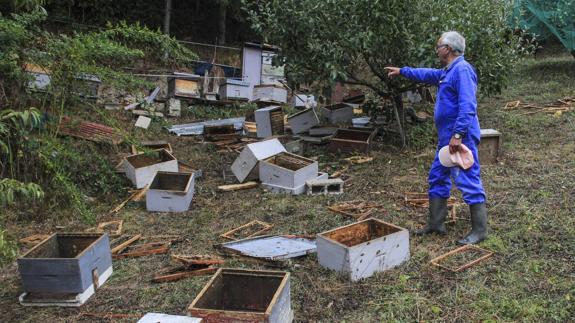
(455, 112)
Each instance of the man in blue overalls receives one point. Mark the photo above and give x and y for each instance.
(456, 122)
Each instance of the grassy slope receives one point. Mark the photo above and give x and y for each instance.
(531, 193)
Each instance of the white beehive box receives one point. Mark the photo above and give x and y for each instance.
(292, 190)
(252, 154)
(300, 100)
(337, 113)
(170, 192)
(269, 92)
(141, 168)
(363, 248)
(287, 170)
(269, 121)
(234, 90)
(303, 121)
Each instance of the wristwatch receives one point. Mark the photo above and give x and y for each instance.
(457, 136)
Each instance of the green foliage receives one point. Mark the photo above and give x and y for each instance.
(353, 40)
(11, 189)
(8, 248)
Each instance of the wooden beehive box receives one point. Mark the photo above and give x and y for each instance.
(271, 92)
(67, 263)
(170, 192)
(187, 86)
(490, 146)
(303, 121)
(247, 296)
(337, 113)
(232, 89)
(248, 159)
(287, 170)
(363, 248)
(141, 168)
(269, 121)
(346, 140)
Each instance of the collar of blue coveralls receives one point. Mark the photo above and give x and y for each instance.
(453, 63)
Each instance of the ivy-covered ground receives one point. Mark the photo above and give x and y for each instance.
(531, 194)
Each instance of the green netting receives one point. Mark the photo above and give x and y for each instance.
(546, 17)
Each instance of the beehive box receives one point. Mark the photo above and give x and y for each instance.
(248, 159)
(287, 170)
(271, 92)
(66, 263)
(363, 248)
(293, 190)
(187, 86)
(269, 121)
(247, 296)
(303, 121)
(300, 100)
(345, 140)
(170, 192)
(337, 113)
(141, 168)
(490, 146)
(232, 89)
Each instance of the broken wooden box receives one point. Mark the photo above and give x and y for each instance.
(141, 168)
(237, 295)
(303, 121)
(170, 192)
(271, 92)
(269, 121)
(363, 248)
(337, 113)
(345, 140)
(65, 269)
(287, 170)
(490, 146)
(184, 85)
(232, 89)
(248, 159)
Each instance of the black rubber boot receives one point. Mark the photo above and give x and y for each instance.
(478, 225)
(437, 215)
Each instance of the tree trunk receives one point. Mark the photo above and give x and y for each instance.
(167, 17)
(222, 22)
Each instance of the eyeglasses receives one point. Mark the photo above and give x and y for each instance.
(440, 46)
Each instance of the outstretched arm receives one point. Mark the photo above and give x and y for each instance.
(423, 75)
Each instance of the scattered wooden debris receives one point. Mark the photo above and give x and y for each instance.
(114, 228)
(34, 239)
(559, 106)
(88, 131)
(422, 200)
(197, 260)
(137, 195)
(357, 160)
(121, 247)
(236, 187)
(152, 248)
(359, 210)
(468, 256)
(193, 265)
(248, 230)
(111, 316)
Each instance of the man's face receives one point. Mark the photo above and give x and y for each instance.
(442, 52)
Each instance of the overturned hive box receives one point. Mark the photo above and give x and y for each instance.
(337, 113)
(170, 192)
(245, 164)
(65, 269)
(269, 121)
(489, 148)
(287, 170)
(271, 92)
(236, 295)
(303, 121)
(363, 248)
(345, 140)
(141, 168)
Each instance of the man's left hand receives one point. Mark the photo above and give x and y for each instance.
(454, 145)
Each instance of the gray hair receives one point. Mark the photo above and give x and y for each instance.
(454, 40)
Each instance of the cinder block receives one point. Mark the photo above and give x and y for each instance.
(361, 249)
(239, 295)
(66, 263)
(174, 107)
(170, 192)
(489, 148)
(270, 92)
(337, 113)
(141, 168)
(246, 162)
(287, 170)
(269, 121)
(325, 186)
(303, 121)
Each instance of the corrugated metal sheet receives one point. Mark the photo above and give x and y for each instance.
(197, 128)
(89, 131)
(272, 247)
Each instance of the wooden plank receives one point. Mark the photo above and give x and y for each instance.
(266, 227)
(235, 187)
(124, 245)
(435, 261)
(160, 278)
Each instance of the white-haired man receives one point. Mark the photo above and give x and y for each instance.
(456, 121)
